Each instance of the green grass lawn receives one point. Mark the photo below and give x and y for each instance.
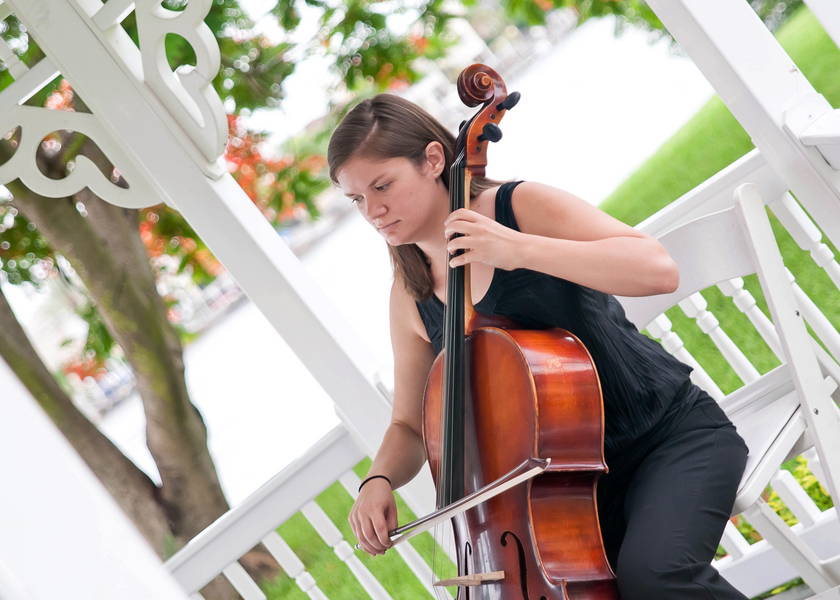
(708, 143)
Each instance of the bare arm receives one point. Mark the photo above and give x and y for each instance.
(562, 235)
(402, 454)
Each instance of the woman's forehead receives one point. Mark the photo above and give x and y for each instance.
(361, 173)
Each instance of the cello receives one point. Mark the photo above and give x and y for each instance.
(513, 426)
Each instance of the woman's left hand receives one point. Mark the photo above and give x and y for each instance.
(483, 240)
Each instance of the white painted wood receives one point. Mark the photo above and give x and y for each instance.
(218, 209)
(292, 565)
(744, 301)
(815, 466)
(832, 594)
(113, 13)
(695, 307)
(764, 90)
(407, 552)
(184, 100)
(818, 407)
(56, 513)
(795, 498)
(806, 234)
(733, 542)
(36, 124)
(16, 67)
(660, 328)
(711, 250)
(763, 568)
(239, 530)
(333, 538)
(772, 528)
(824, 133)
(816, 319)
(27, 85)
(242, 582)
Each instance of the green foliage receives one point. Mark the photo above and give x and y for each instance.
(367, 53)
(25, 255)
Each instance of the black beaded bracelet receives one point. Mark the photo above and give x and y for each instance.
(374, 477)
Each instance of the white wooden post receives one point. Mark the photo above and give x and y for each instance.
(292, 565)
(54, 512)
(242, 582)
(132, 120)
(660, 328)
(695, 307)
(335, 540)
(761, 86)
(818, 407)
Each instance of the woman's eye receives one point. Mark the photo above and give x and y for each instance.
(383, 187)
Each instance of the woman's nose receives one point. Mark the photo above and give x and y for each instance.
(375, 209)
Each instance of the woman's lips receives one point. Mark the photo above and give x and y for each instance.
(388, 227)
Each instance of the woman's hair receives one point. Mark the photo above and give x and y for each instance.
(388, 126)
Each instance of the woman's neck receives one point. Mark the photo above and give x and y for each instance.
(432, 240)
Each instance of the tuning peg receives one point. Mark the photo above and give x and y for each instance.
(509, 102)
(490, 132)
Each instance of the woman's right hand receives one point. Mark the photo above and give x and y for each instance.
(374, 514)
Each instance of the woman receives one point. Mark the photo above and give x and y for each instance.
(545, 258)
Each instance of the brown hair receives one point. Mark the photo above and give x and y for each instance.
(388, 126)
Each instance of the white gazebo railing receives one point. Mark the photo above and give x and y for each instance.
(138, 105)
(755, 568)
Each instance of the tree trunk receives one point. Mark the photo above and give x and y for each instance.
(132, 489)
(107, 252)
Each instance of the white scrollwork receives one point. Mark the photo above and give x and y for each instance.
(187, 93)
(36, 123)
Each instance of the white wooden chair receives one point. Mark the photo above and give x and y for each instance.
(779, 414)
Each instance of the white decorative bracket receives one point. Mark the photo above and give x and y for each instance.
(187, 93)
(36, 123)
(813, 121)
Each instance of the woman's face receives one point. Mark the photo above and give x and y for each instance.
(400, 200)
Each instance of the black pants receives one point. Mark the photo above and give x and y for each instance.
(664, 504)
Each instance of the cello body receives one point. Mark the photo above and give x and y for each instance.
(530, 394)
(499, 395)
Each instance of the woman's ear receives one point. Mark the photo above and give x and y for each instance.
(435, 158)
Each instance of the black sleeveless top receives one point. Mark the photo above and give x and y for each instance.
(643, 386)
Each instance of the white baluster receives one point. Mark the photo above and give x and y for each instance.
(816, 319)
(795, 498)
(660, 328)
(745, 302)
(733, 542)
(695, 307)
(411, 557)
(332, 536)
(242, 582)
(814, 465)
(805, 234)
(292, 565)
(17, 68)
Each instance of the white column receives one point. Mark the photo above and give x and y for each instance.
(54, 512)
(759, 83)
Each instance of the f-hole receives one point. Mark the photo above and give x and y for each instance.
(523, 571)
